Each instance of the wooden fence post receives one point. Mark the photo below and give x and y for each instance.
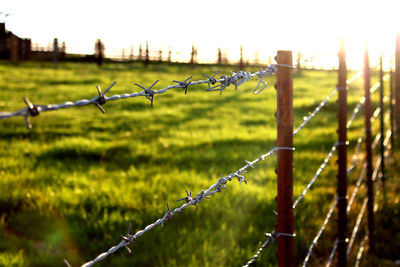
(382, 122)
(368, 142)
(397, 85)
(392, 102)
(342, 159)
(284, 116)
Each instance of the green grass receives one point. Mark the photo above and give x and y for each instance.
(70, 185)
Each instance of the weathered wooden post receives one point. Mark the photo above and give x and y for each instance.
(342, 160)
(382, 123)
(397, 85)
(392, 103)
(368, 142)
(284, 117)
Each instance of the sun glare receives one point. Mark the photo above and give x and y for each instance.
(313, 28)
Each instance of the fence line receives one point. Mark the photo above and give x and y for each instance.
(330, 153)
(376, 169)
(238, 79)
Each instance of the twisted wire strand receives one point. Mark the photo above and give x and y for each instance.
(215, 188)
(357, 108)
(357, 225)
(332, 254)
(323, 103)
(270, 239)
(314, 242)
(361, 251)
(236, 79)
(316, 175)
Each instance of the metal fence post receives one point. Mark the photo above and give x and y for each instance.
(342, 159)
(284, 116)
(368, 142)
(382, 122)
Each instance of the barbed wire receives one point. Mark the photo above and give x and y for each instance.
(271, 237)
(361, 251)
(357, 108)
(323, 103)
(224, 81)
(326, 160)
(316, 175)
(190, 201)
(357, 225)
(314, 242)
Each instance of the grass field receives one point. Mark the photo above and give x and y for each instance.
(70, 185)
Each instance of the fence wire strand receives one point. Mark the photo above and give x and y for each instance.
(271, 237)
(361, 251)
(314, 242)
(316, 175)
(128, 239)
(323, 103)
(223, 82)
(357, 225)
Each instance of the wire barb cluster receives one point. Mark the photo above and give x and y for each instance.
(222, 83)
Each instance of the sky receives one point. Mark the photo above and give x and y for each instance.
(310, 26)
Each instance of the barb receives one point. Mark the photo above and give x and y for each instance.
(314, 242)
(237, 79)
(323, 103)
(316, 175)
(215, 188)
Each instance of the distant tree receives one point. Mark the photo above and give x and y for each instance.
(219, 60)
(160, 55)
(63, 51)
(131, 53)
(140, 52)
(147, 59)
(193, 58)
(99, 52)
(123, 54)
(170, 54)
